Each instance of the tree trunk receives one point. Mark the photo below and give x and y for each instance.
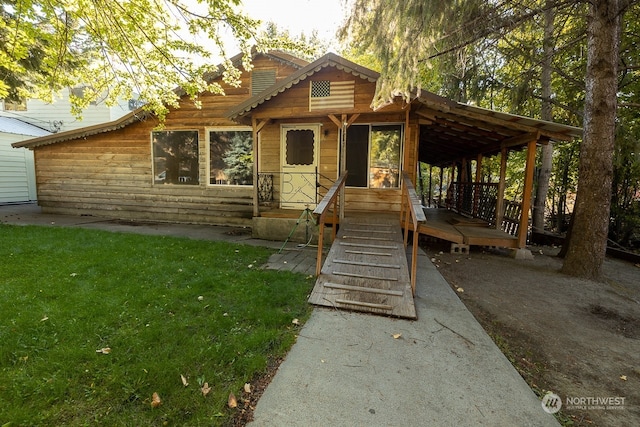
(588, 243)
(546, 158)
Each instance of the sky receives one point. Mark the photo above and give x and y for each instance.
(301, 16)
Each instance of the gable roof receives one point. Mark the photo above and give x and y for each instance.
(140, 114)
(328, 60)
(448, 129)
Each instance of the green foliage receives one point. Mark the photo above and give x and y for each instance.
(67, 293)
(239, 160)
(121, 47)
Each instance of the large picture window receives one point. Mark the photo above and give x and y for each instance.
(373, 156)
(175, 157)
(230, 156)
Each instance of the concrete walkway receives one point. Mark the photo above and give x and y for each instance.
(350, 369)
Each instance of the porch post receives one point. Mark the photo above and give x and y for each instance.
(501, 186)
(343, 160)
(526, 197)
(256, 208)
(441, 184)
(477, 187)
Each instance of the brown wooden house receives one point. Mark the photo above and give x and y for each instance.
(272, 148)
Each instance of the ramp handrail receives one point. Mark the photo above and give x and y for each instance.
(411, 210)
(321, 211)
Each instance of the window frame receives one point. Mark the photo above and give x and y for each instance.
(153, 161)
(369, 147)
(208, 131)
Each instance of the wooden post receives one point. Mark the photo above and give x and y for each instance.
(256, 208)
(526, 196)
(343, 160)
(476, 186)
(441, 184)
(501, 186)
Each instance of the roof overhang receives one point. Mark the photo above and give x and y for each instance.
(452, 131)
(141, 114)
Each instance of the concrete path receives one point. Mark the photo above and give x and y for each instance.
(350, 369)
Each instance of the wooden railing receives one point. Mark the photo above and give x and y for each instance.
(411, 214)
(476, 199)
(321, 211)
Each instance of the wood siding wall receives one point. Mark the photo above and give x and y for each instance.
(111, 174)
(292, 107)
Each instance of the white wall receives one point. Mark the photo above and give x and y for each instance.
(17, 176)
(57, 117)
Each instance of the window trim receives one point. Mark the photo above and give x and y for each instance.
(207, 131)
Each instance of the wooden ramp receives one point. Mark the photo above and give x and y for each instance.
(366, 269)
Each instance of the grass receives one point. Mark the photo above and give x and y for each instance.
(165, 307)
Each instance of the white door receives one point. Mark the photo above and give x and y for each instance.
(299, 160)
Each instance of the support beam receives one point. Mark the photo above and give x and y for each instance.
(476, 188)
(501, 186)
(526, 196)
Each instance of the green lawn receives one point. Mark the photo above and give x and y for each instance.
(164, 306)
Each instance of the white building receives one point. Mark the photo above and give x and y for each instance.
(33, 118)
(57, 117)
(17, 173)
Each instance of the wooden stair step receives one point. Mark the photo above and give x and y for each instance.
(354, 230)
(364, 276)
(363, 289)
(366, 264)
(347, 251)
(384, 239)
(368, 245)
(364, 304)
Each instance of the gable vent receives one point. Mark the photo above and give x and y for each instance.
(262, 79)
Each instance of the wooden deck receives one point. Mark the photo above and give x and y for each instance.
(366, 269)
(447, 225)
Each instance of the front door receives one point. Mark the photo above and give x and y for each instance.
(299, 151)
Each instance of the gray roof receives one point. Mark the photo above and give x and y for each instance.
(18, 127)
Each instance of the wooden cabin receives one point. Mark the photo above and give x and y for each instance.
(266, 154)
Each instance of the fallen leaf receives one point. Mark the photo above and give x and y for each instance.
(155, 400)
(247, 388)
(184, 380)
(44, 319)
(205, 389)
(396, 336)
(460, 290)
(623, 377)
(105, 350)
(200, 298)
(232, 402)
(296, 322)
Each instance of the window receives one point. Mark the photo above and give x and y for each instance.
(230, 156)
(299, 147)
(175, 157)
(79, 93)
(374, 155)
(19, 105)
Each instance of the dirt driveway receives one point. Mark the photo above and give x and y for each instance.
(579, 339)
